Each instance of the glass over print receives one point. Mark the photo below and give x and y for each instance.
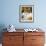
(26, 13)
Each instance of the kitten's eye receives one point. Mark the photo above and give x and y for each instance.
(22, 16)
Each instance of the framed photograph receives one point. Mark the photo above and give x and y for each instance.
(26, 13)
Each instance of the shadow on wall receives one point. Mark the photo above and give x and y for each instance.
(2, 26)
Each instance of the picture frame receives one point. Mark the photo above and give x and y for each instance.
(26, 13)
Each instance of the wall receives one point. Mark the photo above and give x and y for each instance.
(10, 13)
